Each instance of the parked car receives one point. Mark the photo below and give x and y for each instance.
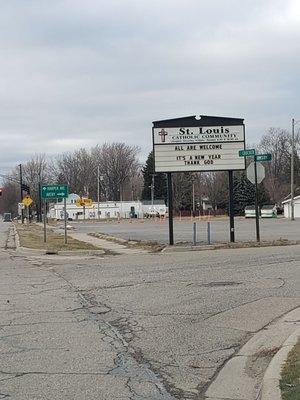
(250, 212)
(269, 211)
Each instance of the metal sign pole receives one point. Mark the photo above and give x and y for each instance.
(45, 217)
(21, 192)
(170, 206)
(65, 219)
(256, 202)
(231, 206)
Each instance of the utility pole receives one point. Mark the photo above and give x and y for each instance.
(292, 171)
(256, 202)
(98, 191)
(21, 191)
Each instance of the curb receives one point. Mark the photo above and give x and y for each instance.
(270, 389)
(228, 246)
(42, 252)
(236, 380)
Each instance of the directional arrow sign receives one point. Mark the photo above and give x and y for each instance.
(247, 153)
(260, 172)
(264, 157)
(55, 191)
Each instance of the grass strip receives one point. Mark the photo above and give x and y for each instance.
(32, 236)
(290, 375)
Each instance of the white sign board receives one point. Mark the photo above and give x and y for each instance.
(260, 169)
(205, 148)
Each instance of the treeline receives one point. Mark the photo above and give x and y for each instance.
(122, 177)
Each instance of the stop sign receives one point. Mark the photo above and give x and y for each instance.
(260, 172)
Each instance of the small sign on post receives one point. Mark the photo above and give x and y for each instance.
(264, 157)
(247, 153)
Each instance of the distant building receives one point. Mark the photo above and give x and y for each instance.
(287, 207)
(107, 209)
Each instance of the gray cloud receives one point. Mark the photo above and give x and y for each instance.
(76, 73)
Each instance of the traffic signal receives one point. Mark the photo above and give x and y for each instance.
(25, 188)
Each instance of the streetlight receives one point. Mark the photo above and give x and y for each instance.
(292, 170)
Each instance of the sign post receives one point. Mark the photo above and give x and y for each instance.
(231, 207)
(191, 144)
(65, 220)
(170, 209)
(256, 202)
(256, 174)
(45, 221)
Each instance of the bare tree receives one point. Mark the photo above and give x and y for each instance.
(118, 164)
(216, 188)
(277, 141)
(77, 170)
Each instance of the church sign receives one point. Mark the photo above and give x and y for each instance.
(204, 144)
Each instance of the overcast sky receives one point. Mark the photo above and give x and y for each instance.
(76, 73)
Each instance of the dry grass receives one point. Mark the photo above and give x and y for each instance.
(32, 236)
(290, 376)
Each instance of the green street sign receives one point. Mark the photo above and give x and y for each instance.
(247, 153)
(264, 157)
(54, 191)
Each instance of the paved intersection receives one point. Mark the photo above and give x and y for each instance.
(141, 327)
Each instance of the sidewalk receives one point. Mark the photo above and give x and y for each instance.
(105, 244)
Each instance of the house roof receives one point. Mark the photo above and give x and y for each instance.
(289, 200)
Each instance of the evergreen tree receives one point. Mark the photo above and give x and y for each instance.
(244, 193)
(160, 182)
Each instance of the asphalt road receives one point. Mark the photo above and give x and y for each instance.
(271, 229)
(139, 327)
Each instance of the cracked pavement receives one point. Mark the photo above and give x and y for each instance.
(140, 327)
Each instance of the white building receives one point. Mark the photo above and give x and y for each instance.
(287, 207)
(107, 210)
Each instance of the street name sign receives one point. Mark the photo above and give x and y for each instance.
(264, 157)
(54, 191)
(251, 173)
(247, 153)
(198, 144)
